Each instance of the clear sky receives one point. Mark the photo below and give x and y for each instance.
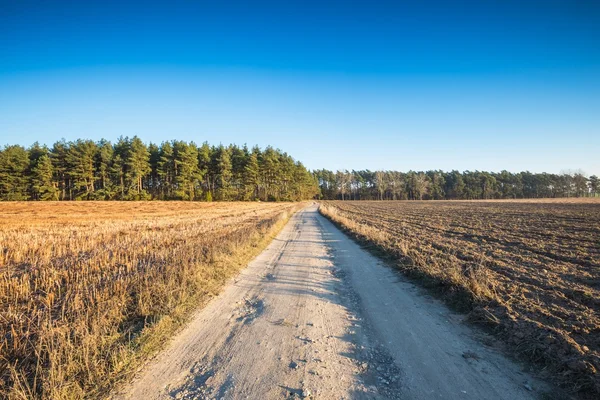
(485, 85)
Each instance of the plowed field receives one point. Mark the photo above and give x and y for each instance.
(530, 270)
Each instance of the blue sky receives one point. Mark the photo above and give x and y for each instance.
(486, 85)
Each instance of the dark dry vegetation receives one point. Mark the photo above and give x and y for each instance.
(87, 290)
(529, 270)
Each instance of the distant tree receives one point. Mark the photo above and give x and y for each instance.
(81, 157)
(396, 185)
(269, 170)
(580, 184)
(58, 155)
(204, 168)
(437, 184)
(35, 151)
(380, 183)
(284, 187)
(118, 170)
(137, 165)
(14, 162)
(166, 170)
(594, 184)
(152, 182)
(343, 179)
(488, 185)
(238, 162)
(507, 188)
(223, 173)
(418, 185)
(252, 175)
(325, 180)
(566, 183)
(472, 189)
(188, 173)
(104, 157)
(42, 181)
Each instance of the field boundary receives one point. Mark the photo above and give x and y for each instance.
(482, 310)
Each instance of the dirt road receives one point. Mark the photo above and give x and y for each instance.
(316, 316)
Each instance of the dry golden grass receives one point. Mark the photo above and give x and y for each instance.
(528, 269)
(88, 290)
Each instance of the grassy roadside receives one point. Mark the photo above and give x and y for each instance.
(474, 293)
(86, 299)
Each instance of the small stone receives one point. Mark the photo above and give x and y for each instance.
(294, 365)
(528, 386)
(305, 393)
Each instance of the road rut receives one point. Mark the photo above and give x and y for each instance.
(315, 315)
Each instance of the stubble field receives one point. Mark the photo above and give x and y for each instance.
(530, 270)
(87, 290)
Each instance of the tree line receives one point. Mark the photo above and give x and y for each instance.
(131, 170)
(177, 170)
(453, 185)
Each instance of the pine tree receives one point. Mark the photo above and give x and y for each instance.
(188, 173)
(437, 184)
(138, 166)
(81, 158)
(42, 179)
(269, 169)
(204, 163)
(594, 184)
(166, 170)
(14, 162)
(117, 172)
(223, 173)
(251, 175)
(58, 156)
(152, 182)
(238, 161)
(104, 157)
(35, 151)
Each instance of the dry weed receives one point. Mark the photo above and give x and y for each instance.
(87, 290)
